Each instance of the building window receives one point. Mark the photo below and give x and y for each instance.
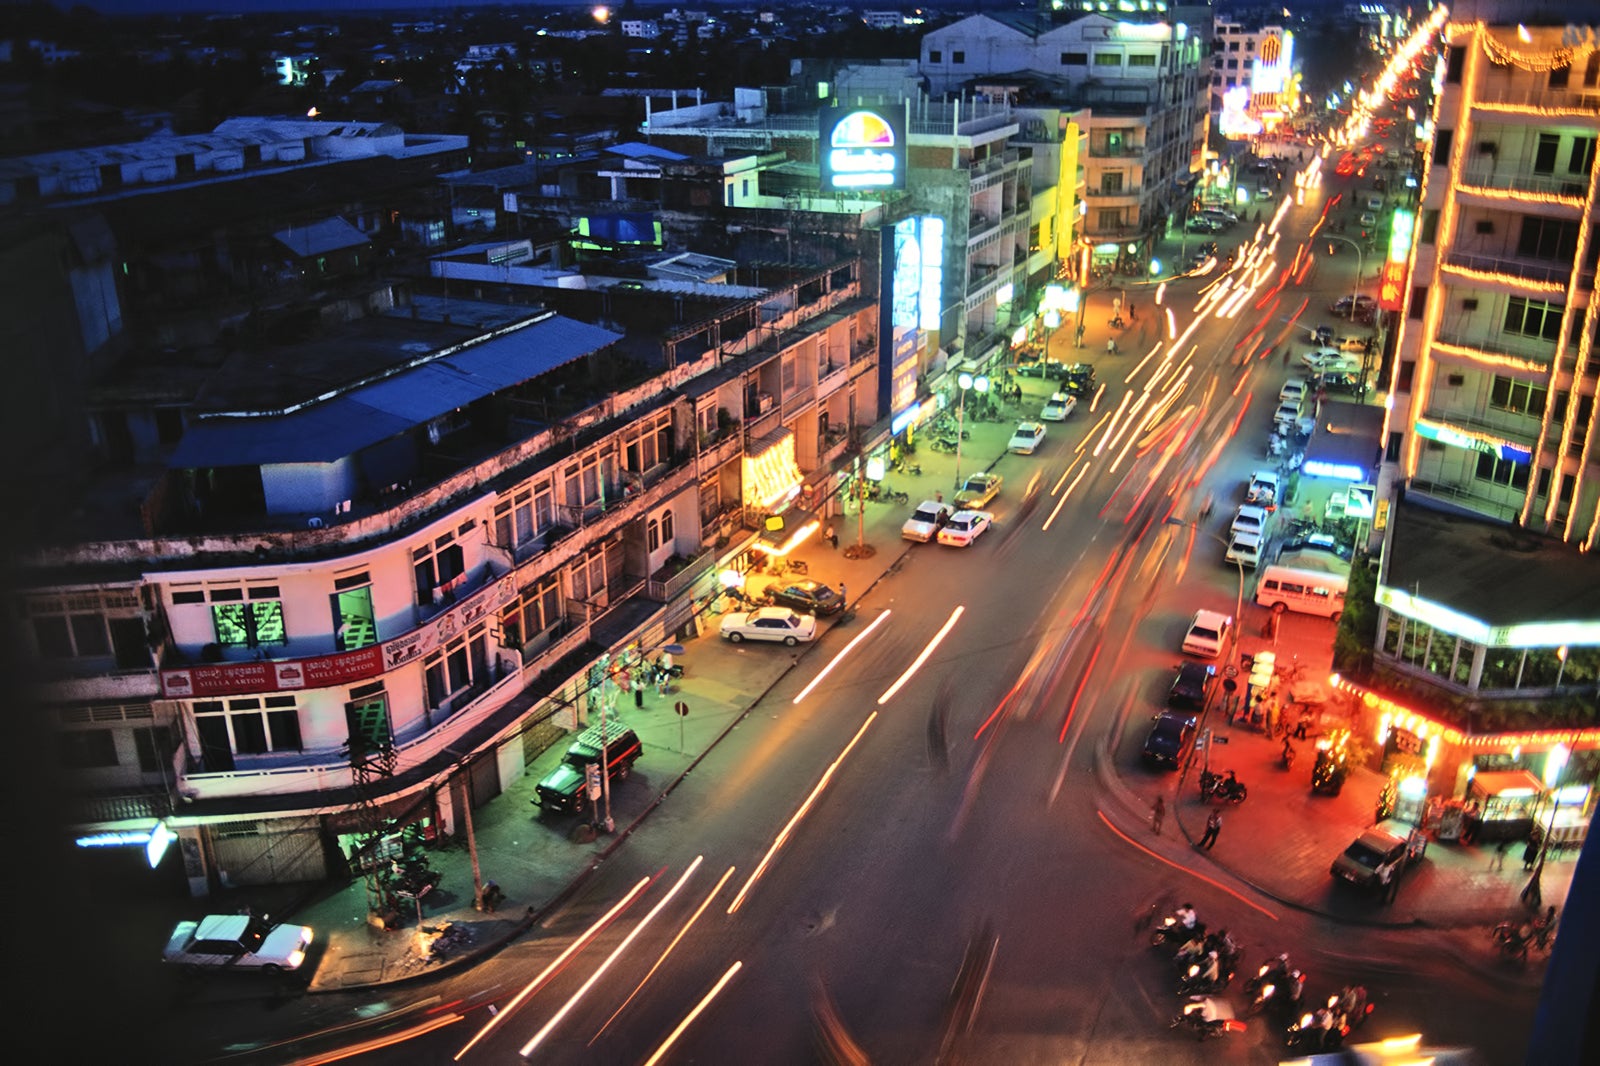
(439, 568)
(1110, 218)
(1501, 471)
(1551, 239)
(1518, 397)
(1419, 300)
(958, 57)
(354, 624)
(1142, 60)
(589, 575)
(87, 749)
(1441, 147)
(253, 617)
(451, 670)
(245, 725)
(522, 514)
(1533, 318)
(585, 482)
(1111, 182)
(1560, 76)
(1074, 59)
(1108, 59)
(154, 746)
(648, 443)
(1544, 155)
(936, 55)
(366, 716)
(1581, 161)
(538, 608)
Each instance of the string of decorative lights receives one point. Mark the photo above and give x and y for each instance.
(1490, 360)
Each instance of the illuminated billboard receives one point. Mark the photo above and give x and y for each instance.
(1391, 288)
(862, 149)
(913, 254)
(1274, 65)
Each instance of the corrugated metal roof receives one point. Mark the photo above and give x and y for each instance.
(320, 237)
(342, 426)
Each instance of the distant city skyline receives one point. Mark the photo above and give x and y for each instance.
(329, 7)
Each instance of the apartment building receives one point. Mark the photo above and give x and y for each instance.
(1138, 87)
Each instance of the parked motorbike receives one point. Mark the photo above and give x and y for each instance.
(1222, 788)
(416, 883)
(1204, 1016)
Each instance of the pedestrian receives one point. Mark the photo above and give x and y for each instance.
(1213, 827)
(1545, 928)
(1530, 854)
(637, 682)
(938, 495)
(1500, 849)
(1388, 881)
(1131, 314)
(492, 897)
(843, 600)
(833, 536)
(1078, 338)
(1111, 346)
(1158, 811)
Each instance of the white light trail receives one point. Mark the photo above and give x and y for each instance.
(1111, 426)
(556, 964)
(1084, 469)
(583, 990)
(705, 1002)
(1172, 325)
(1084, 443)
(837, 659)
(916, 664)
(1095, 402)
(1140, 364)
(794, 820)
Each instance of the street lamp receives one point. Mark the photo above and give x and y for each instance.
(1355, 296)
(966, 381)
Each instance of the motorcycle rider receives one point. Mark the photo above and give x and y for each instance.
(1187, 916)
(1211, 971)
(1288, 752)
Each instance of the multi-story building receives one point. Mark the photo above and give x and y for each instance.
(360, 525)
(1485, 634)
(1138, 86)
(1253, 81)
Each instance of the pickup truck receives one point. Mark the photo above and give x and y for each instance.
(978, 491)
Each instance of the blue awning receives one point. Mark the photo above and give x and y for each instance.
(333, 429)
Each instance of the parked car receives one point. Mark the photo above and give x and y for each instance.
(1245, 549)
(1361, 303)
(1027, 438)
(1207, 634)
(812, 597)
(1201, 224)
(1368, 220)
(1360, 861)
(1058, 407)
(1341, 381)
(1171, 739)
(965, 527)
(1263, 489)
(781, 624)
(1250, 519)
(237, 942)
(1048, 369)
(562, 791)
(979, 490)
(1190, 685)
(1320, 359)
(1293, 391)
(1079, 379)
(924, 521)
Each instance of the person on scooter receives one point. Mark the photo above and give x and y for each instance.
(1211, 970)
(1187, 916)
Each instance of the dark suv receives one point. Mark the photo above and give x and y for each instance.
(1078, 379)
(1170, 739)
(562, 790)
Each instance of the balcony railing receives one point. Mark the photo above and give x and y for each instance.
(1545, 99)
(1544, 185)
(1511, 268)
(687, 572)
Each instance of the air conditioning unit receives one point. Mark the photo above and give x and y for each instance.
(763, 402)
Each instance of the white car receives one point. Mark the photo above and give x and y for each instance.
(924, 521)
(1245, 549)
(769, 623)
(237, 942)
(1249, 519)
(1058, 407)
(1027, 438)
(1319, 359)
(1263, 488)
(965, 527)
(1293, 391)
(1207, 633)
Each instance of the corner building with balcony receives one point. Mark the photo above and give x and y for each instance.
(401, 546)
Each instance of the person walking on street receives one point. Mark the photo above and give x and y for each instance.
(1500, 850)
(1111, 346)
(1131, 315)
(1213, 827)
(844, 602)
(1158, 811)
(833, 536)
(1078, 338)
(1286, 356)
(637, 682)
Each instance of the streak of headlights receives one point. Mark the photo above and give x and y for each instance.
(616, 953)
(837, 659)
(560, 960)
(716, 890)
(783, 836)
(1140, 364)
(1084, 469)
(1172, 325)
(1111, 426)
(1101, 391)
(916, 664)
(705, 1001)
(379, 1043)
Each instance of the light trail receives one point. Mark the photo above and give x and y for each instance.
(794, 820)
(1095, 402)
(1172, 325)
(1122, 406)
(837, 659)
(1084, 443)
(378, 1043)
(1138, 405)
(616, 952)
(538, 982)
(1213, 882)
(1140, 364)
(705, 1002)
(1084, 470)
(916, 664)
(716, 889)
(1083, 682)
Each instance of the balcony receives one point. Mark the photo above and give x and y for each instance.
(831, 378)
(1535, 275)
(1125, 151)
(1537, 105)
(1571, 192)
(981, 227)
(672, 580)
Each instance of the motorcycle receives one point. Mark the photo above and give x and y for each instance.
(416, 882)
(1318, 1030)
(1170, 931)
(1198, 979)
(1204, 1016)
(1223, 788)
(1275, 987)
(1511, 941)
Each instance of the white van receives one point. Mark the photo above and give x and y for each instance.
(1306, 591)
(1207, 633)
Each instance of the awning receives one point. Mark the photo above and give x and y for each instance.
(783, 533)
(1497, 782)
(334, 429)
(1347, 443)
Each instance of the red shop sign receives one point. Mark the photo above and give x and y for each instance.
(321, 671)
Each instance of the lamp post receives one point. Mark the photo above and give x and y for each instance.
(1355, 290)
(966, 381)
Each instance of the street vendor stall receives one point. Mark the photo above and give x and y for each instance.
(1501, 806)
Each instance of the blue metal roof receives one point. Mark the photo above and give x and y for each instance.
(333, 429)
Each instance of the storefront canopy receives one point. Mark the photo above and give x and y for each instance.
(1503, 782)
(1347, 442)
